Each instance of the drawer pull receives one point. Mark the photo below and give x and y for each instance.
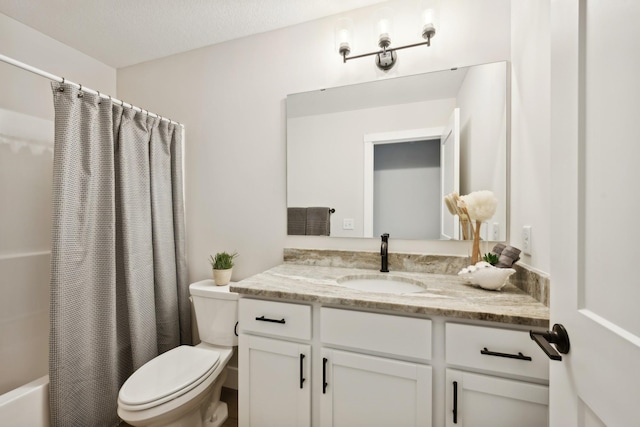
(518, 356)
(266, 319)
(302, 378)
(455, 402)
(324, 375)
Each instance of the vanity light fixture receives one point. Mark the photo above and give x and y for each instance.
(386, 57)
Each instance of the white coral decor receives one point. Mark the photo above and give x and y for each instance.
(486, 276)
(481, 205)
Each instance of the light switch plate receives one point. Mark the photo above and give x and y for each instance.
(526, 240)
(348, 223)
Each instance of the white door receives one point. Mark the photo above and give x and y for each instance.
(475, 400)
(595, 206)
(367, 391)
(274, 383)
(450, 175)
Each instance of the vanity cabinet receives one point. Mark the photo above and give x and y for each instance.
(475, 400)
(359, 389)
(489, 399)
(274, 375)
(362, 390)
(276, 378)
(312, 365)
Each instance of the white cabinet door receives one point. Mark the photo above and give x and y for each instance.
(484, 401)
(274, 383)
(594, 209)
(360, 390)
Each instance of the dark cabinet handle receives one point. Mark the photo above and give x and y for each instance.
(455, 402)
(558, 336)
(324, 375)
(302, 378)
(266, 319)
(518, 356)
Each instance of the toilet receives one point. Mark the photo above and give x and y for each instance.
(181, 387)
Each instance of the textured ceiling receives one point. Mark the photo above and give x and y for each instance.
(126, 32)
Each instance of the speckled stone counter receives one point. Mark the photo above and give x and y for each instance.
(444, 295)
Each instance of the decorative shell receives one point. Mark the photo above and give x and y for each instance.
(486, 275)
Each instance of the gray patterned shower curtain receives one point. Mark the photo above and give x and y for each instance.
(119, 292)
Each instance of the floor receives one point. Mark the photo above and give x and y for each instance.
(231, 397)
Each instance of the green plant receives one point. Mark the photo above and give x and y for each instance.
(222, 260)
(491, 258)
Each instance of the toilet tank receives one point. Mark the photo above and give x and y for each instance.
(216, 313)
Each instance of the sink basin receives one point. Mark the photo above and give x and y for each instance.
(383, 283)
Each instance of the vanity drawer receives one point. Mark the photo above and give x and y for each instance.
(388, 334)
(275, 318)
(487, 348)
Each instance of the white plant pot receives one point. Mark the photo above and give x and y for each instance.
(222, 277)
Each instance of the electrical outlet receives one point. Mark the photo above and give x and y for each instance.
(526, 240)
(496, 232)
(348, 223)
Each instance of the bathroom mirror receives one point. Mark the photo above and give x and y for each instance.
(383, 154)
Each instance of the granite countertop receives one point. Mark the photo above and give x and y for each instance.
(445, 295)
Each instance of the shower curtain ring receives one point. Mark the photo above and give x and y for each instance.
(80, 94)
(99, 98)
(61, 88)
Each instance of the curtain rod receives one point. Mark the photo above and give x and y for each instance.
(50, 76)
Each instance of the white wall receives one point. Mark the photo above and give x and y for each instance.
(530, 129)
(231, 98)
(26, 143)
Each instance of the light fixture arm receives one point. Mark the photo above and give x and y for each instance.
(346, 58)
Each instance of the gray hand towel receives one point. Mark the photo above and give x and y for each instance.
(508, 257)
(318, 221)
(296, 221)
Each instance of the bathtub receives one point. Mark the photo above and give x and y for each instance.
(26, 406)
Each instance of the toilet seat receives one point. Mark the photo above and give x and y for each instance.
(167, 377)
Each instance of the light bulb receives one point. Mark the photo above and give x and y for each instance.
(344, 34)
(428, 25)
(384, 26)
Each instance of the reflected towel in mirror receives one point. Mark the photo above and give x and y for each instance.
(318, 221)
(296, 221)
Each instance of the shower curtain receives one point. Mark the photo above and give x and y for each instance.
(119, 292)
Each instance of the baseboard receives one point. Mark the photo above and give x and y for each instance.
(232, 378)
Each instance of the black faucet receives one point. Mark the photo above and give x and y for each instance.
(384, 248)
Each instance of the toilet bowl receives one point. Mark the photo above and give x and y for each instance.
(181, 388)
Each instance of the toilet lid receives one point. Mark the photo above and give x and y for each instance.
(172, 373)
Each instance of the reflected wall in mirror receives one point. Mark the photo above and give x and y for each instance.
(383, 154)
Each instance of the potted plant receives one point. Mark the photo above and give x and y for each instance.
(222, 265)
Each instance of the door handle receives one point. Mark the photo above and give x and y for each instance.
(266, 319)
(518, 356)
(558, 336)
(455, 402)
(302, 378)
(324, 375)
